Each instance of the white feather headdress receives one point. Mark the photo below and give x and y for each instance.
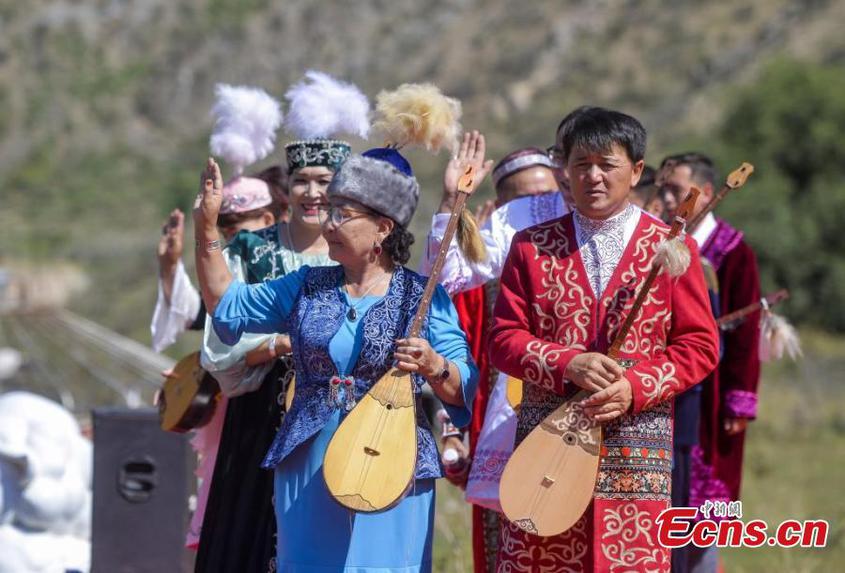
(322, 107)
(245, 123)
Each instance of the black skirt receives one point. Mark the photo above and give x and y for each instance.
(239, 528)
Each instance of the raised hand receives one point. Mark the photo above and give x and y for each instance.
(471, 152)
(209, 199)
(172, 240)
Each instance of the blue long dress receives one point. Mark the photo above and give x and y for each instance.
(315, 533)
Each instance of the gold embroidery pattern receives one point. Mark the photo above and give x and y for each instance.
(646, 246)
(659, 386)
(550, 239)
(569, 318)
(628, 540)
(644, 338)
(574, 428)
(561, 307)
(521, 552)
(538, 364)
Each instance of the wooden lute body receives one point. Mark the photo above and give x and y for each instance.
(549, 480)
(188, 396)
(371, 460)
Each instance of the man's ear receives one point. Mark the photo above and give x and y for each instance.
(706, 193)
(636, 172)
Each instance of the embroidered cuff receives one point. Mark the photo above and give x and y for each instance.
(544, 364)
(740, 404)
(651, 384)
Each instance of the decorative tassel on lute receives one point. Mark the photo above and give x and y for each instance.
(469, 238)
(777, 337)
(421, 115)
(673, 256)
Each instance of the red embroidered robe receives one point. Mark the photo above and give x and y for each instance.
(475, 309)
(730, 391)
(546, 314)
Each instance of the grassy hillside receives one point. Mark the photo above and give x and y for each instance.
(104, 115)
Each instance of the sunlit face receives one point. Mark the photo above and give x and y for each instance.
(530, 181)
(676, 186)
(351, 231)
(602, 181)
(307, 193)
(254, 224)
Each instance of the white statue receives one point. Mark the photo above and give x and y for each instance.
(45, 498)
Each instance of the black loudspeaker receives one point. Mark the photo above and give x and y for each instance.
(143, 479)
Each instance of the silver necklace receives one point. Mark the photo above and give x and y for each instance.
(352, 314)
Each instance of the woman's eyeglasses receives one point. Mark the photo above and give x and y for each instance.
(340, 214)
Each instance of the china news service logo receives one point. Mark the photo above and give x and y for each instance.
(720, 524)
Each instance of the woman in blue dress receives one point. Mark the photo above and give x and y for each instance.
(348, 325)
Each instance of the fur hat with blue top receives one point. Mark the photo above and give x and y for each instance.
(381, 178)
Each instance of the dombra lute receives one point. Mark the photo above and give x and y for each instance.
(371, 460)
(730, 321)
(550, 478)
(188, 396)
(734, 181)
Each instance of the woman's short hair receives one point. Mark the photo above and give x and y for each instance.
(398, 244)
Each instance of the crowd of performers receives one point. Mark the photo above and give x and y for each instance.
(301, 269)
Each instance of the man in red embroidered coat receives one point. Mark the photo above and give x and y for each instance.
(565, 290)
(523, 172)
(729, 398)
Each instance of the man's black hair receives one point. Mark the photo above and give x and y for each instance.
(597, 129)
(566, 123)
(701, 166)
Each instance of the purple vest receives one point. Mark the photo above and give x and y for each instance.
(721, 241)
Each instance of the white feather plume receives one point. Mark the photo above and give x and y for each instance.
(673, 256)
(777, 337)
(245, 123)
(324, 107)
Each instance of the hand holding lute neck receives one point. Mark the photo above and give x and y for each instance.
(593, 371)
(415, 354)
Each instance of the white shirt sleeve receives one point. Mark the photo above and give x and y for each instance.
(458, 273)
(171, 320)
(228, 363)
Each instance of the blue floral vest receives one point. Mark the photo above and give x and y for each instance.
(316, 317)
